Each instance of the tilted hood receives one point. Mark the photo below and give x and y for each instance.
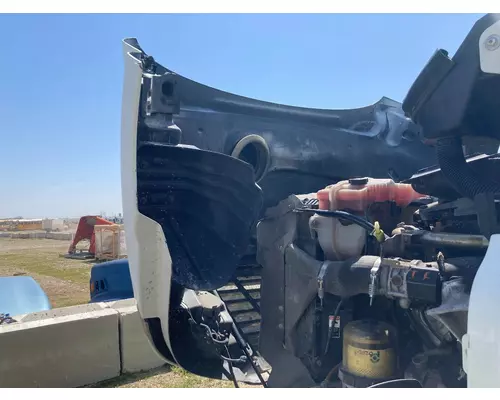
(200, 166)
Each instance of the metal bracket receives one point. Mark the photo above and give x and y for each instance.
(163, 96)
(487, 216)
(321, 277)
(372, 287)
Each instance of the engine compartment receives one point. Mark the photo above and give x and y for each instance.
(417, 280)
(342, 303)
(361, 272)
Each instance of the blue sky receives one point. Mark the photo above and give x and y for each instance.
(61, 83)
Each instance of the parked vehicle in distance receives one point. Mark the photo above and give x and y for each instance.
(22, 295)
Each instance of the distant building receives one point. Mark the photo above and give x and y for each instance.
(21, 224)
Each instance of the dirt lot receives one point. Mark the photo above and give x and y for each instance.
(66, 283)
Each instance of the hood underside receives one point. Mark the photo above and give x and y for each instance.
(207, 192)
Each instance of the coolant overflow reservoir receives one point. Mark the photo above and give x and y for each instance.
(358, 193)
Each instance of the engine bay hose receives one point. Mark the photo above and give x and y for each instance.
(454, 167)
(454, 240)
(462, 266)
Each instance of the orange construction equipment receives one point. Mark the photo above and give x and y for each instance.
(85, 230)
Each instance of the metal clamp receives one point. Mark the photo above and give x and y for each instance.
(321, 277)
(372, 287)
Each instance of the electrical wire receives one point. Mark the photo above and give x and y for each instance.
(342, 215)
(335, 314)
(240, 360)
(244, 346)
(216, 337)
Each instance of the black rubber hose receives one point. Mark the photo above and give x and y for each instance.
(454, 167)
(463, 266)
(454, 240)
(351, 277)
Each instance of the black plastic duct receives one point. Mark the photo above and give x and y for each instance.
(207, 204)
(454, 167)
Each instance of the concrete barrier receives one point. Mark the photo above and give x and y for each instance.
(20, 235)
(37, 235)
(66, 347)
(61, 312)
(75, 346)
(137, 353)
(62, 235)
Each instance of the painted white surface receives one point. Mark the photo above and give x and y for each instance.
(481, 344)
(148, 255)
(53, 225)
(489, 56)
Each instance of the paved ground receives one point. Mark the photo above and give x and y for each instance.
(66, 283)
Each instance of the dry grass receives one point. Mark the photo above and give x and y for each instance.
(164, 377)
(66, 283)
